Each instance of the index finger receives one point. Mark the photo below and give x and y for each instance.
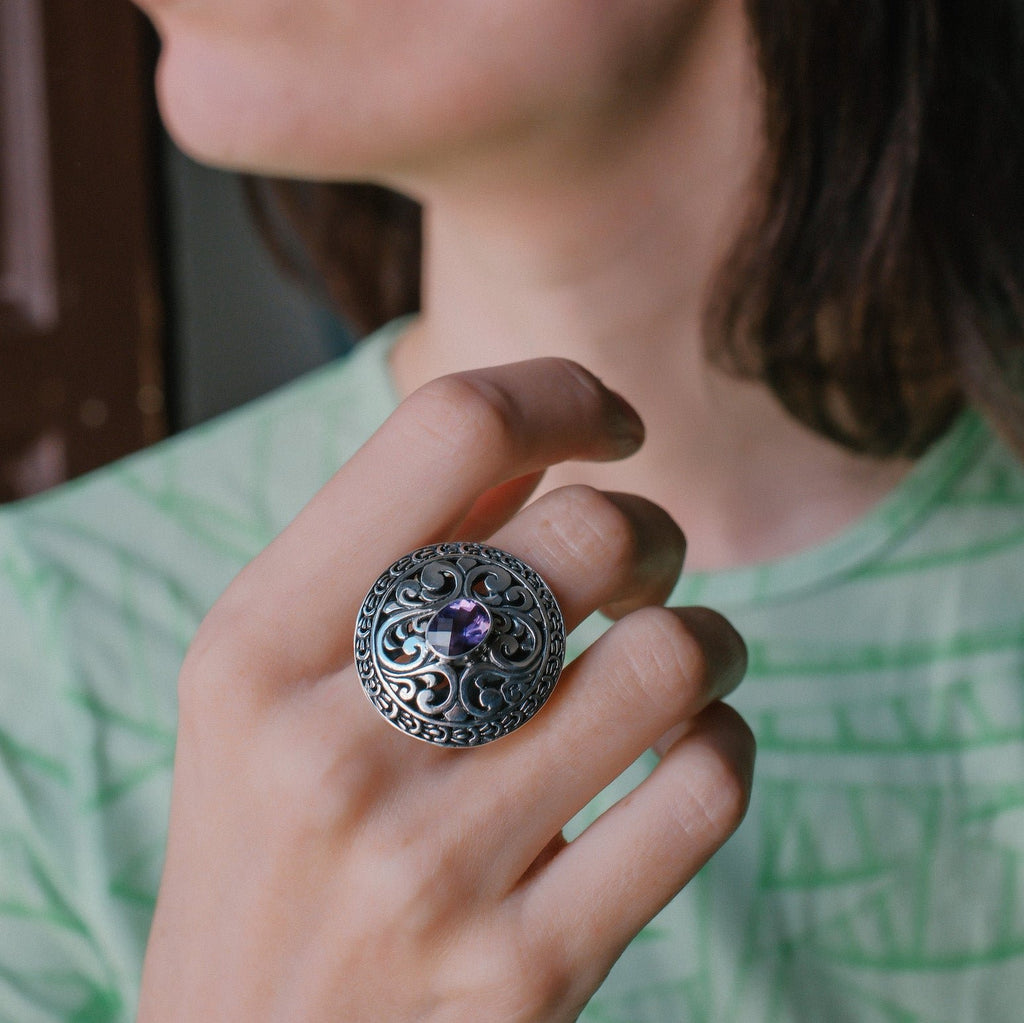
(292, 610)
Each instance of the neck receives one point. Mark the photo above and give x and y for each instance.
(601, 244)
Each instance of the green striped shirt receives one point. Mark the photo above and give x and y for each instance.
(879, 875)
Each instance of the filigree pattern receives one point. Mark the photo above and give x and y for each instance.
(489, 691)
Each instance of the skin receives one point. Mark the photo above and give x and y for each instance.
(584, 167)
(317, 856)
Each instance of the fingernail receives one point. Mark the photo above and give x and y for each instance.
(723, 646)
(628, 424)
(623, 420)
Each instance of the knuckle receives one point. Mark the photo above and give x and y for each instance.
(219, 665)
(435, 868)
(421, 879)
(545, 981)
(472, 408)
(205, 662)
(316, 782)
(668, 659)
(588, 526)
(536, 979)
(309, 798)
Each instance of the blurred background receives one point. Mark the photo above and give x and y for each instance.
(136, 295)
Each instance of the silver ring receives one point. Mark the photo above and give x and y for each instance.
(459, 644)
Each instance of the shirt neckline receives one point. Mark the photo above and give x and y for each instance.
(863, 541)
(860, 543)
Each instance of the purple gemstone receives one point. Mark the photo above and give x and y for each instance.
(458, 627)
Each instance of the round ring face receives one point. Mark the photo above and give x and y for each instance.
(459, 644)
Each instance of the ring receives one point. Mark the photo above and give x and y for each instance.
(459, 644)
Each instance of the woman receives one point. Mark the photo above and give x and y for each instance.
(588, 173)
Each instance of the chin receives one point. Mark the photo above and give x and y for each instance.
(227, 118)
(212, 112)
(189, 107)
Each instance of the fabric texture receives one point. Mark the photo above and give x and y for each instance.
(879, 875)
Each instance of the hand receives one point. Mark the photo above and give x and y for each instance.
(321, 865)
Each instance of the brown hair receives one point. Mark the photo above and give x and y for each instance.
(357, 245)
(880, 278)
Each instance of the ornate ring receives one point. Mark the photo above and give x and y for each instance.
(459, 644)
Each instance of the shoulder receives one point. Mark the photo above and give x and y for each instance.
(972, 535)
(211, 498)
(112, 573)
(102, 584)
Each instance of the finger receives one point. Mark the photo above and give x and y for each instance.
(635, 545)
(291, 612)
(594, 895)
(655, 668)
(496, 506)
(596, 549)
(547, 854)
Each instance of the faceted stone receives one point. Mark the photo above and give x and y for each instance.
(458, 627)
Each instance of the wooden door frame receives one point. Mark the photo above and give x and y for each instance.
(81, 342)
